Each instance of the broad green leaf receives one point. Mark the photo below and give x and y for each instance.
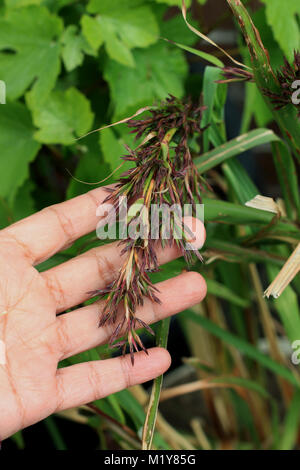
(113, 149)
(63, 116)
(179, 2)
(284, 24)
(92, 32)
(90, 169)
(21, 3)
(31, 34)
(160, 70)
(56, 5)
(22, 206)
(18, 148)
(121, 27)
(107, 6)
(97, 32)
(175, 2)
(174, 28)
(234, 147)
(6, 214)
(74, 48)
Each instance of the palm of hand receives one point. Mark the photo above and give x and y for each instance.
(33, 339)
(31, 342)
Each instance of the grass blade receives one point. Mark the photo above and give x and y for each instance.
(203, 55)
(287, 307)
(149, 427)
(219, 290)
(234, 147)
(245, 348)
(223, 211)
(214, 98)
(265, 77)
(55, 434)
(238, 178)
(287, 175)
(291, 426)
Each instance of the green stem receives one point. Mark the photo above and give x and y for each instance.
(151, 416)
(265, 77)
(55, 434)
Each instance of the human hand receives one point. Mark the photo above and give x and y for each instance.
(33, 339)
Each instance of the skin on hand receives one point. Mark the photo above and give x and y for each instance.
(33, 339)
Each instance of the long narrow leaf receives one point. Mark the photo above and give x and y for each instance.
(223, 292)
(214, 98)
(243, 347)
(291, 425)
(239, 180)
(149, 427)
(234, 147)
(222, 211)
(287, 175)
(203, 55)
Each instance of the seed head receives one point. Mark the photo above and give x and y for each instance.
(286, 75)
(163, 172)
(236, 74)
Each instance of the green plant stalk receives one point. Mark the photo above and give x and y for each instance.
(287, 175)
(291, 425)
(265, 77)
(151, 416)
(19, 440)
(55, 434)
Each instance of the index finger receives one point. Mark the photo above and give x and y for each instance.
(45, 233)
